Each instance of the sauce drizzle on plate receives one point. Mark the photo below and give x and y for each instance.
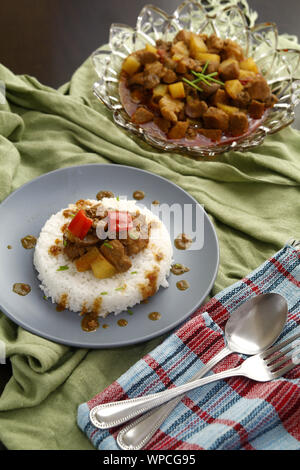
(21, 288)
(28, 242)
(183, 241)
(182, 285)
(138, 195)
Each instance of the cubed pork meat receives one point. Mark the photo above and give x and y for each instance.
(232, 50)
(215, 118)
(256, 109)
(195, 107)
(169, 76)
(258, 89)
(214, 43)
(146, 57)
(178, 131)
(114, 252)
(238, 124)
(142, 115)
(229, 69)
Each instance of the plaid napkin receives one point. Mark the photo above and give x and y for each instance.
(235, 413)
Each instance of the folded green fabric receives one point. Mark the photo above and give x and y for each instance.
(252, 199)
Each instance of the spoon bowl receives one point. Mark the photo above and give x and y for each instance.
(255, 325)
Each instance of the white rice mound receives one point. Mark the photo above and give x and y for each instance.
(82, 291)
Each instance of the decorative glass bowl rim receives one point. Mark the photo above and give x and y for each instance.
(285, 85)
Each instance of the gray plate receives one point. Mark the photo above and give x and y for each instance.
(25, 212)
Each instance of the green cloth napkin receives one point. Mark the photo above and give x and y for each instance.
(252, 199)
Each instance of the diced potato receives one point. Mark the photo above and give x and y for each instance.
(84, 262)
(150, 48)
(131, 65)
(197, 45)
(249, 64)
(233, 88)
(206, 57)
(227, 109)
(177, 57)
(245, 74)
(102, 268)
(177, 90)
(160, 90)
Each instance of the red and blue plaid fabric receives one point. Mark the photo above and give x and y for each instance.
(235, 413)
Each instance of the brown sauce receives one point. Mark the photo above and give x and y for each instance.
(64, 227)
(84, 310)
(62, 304)
(21, 288)
(154, 316)
(90, 322)
(179, 269)
(103, 194)
(97, 305)
(149, 289)
(28, 242)
(105, 326)
(159, 256)
(54, 250)
(138, 195)
(9, 247)
(82, 203)
(182, 285)
(155, 203)
(183, 242)
(67, 213)
(122, 322)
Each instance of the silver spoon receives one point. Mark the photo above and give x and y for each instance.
(251, 328)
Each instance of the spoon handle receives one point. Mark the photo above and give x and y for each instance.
(138, 433)
(110, 420)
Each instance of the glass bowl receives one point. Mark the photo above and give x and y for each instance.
(259, 41)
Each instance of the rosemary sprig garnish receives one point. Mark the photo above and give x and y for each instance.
(201, 77)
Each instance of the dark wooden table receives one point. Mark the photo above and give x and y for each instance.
(49, 39)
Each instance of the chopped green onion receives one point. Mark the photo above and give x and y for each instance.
(217, 81)
(191, 84)
(65, 242)
(120, 288)
(108, 245)
(205, 66)
(45, 298)
(133, 272)
(130, 312)
(62, 268)
(118, 198)
(204, 78)
(104, 293)
(177, 265)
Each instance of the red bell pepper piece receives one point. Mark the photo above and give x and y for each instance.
(80, 225)
(119, 221)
